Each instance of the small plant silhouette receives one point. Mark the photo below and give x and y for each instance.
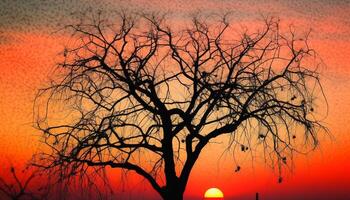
(18, 188)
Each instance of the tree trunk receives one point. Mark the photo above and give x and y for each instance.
(173, 196)
(174, 192)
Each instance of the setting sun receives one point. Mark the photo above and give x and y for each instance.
(213, 193)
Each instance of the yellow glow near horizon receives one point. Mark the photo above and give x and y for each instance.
(213, 193)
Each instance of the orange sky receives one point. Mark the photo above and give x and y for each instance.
(28, 51)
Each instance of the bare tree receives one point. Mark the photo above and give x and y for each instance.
(147, 97)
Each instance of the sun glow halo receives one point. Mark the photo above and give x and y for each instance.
(213, 193)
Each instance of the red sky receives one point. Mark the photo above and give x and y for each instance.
(29, 51)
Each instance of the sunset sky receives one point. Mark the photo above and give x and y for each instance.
(30, 46)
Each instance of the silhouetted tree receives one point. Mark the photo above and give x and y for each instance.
(148, 97)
